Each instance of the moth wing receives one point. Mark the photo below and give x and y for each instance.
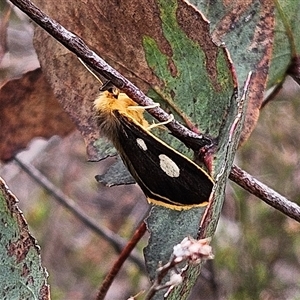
(165, 175)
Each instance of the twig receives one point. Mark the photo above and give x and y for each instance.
(121, 259)
(161, 274)
(77, 46)
(115, 240)
(265, 193)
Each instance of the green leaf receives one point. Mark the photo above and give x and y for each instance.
(203, 88)
(21, 273)
(195, 74)
(116, 174)
(287, 39)
(246, 30)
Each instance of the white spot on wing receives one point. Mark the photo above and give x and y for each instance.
(140, 142)
(169, 166)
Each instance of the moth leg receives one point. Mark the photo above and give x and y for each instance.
(137, 107)
(161, 123)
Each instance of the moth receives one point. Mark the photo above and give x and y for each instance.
(166, 177)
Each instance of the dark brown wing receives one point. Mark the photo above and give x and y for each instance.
(146, 158)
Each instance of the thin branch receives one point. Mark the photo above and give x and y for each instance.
(77, 46)
(120, 261)
(115, 240)
(265, 193)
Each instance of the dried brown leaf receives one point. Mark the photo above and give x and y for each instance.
(29, 109)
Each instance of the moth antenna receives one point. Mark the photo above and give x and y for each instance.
(106, 86)
(91, 71)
